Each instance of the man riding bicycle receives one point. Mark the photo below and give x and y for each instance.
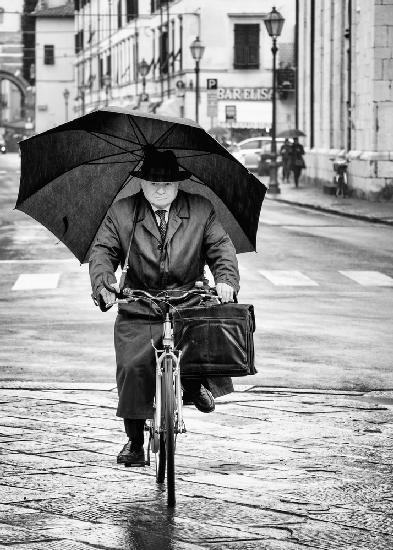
(174, 235)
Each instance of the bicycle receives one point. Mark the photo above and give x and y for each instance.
(167, 421)
(340, 179)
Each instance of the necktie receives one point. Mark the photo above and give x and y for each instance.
(162, 226)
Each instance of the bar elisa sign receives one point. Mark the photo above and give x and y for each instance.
(244, 94)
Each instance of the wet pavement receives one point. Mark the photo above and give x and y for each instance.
(270, 469)
(312, 196)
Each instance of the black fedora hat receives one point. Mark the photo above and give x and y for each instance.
(161, 166)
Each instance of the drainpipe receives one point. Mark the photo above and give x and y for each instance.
(312, 72)
(348, 35)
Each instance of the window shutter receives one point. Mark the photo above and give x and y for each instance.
(246, 55)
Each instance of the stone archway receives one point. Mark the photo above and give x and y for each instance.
(26, 91)
(19, 81)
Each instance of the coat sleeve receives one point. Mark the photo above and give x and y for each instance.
(220, 253)
(105, 255)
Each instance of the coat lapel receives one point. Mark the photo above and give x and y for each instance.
(147, 220)
(180, 210)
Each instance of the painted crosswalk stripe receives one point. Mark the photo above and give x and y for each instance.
(368, 278)
(288, 278)
(36, 281)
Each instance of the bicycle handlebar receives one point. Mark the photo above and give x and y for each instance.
(164, 295)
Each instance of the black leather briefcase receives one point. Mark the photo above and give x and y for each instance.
(215, 340)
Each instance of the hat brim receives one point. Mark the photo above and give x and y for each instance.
(181, 176)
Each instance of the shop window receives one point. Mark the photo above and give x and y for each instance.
(132, 9)
(49, 54)
(246, 54)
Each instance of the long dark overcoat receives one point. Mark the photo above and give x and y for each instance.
(194, 238)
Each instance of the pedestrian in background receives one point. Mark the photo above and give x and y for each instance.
(297, 160)
(285, 152)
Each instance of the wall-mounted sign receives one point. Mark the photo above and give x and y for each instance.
(211, 97)
(244, 94)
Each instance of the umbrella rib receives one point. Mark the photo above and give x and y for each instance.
(164, 135)
(96, 161)
(114, 144)
(134, 124)
(194, 156)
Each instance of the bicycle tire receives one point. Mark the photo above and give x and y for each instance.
(160, 474)
(170, 432)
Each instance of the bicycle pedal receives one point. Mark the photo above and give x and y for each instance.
(135, 464)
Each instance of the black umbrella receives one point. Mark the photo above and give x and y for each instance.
(294, 132)
(71, 175)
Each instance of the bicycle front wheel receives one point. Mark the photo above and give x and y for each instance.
(170, 430)
(166, 453)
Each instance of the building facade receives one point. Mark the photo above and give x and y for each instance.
(113, 38)
(54, 67)
(345, 91)
(15, 94)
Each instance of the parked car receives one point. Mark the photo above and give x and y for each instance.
(249, 151)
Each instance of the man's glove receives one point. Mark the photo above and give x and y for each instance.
(107, 297)
(224, 292)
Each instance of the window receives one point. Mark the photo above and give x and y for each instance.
(1, 16)
(246, 47)
(100, 71)
(119, 14)
(79, 39)
(132, 9)
(49, 54)
(164, 52)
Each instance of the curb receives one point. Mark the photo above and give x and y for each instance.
(362, 217)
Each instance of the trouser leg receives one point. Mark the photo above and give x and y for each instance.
(135, 431)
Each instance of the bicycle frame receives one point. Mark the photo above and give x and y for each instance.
(168, 406)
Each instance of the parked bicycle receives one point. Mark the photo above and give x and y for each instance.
(340, 179)
(168, 420)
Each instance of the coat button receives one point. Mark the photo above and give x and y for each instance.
(159, 247)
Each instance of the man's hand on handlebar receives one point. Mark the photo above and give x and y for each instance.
(108, 296)
(224, 292)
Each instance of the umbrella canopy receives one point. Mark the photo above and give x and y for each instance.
(71, 175)
(294, 132)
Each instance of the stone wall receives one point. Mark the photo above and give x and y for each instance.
(370, 118)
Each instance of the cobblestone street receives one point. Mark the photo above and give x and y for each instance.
(270, 469)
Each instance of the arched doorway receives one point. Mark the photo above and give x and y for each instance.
(16, 108)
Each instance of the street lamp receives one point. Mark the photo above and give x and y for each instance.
(197, 49)
(107, 82)
(144, 69)
(274, 22)
(66, 95)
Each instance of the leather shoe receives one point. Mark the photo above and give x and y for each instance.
(130, 456)
(203, 400)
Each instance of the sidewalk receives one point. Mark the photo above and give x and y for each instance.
(313, 197)
(270, 469)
